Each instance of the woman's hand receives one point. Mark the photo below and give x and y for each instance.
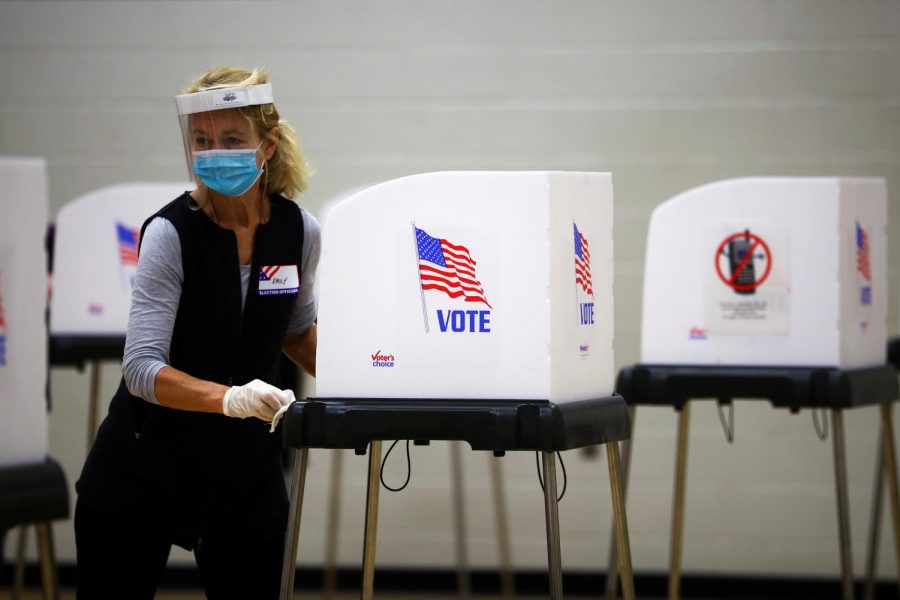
(255, 399)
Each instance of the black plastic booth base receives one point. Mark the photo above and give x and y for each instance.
(497, 425)
(793, 388)
(492, 425)
(35, 494)
(77, 350)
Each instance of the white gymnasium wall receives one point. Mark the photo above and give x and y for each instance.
(664, 95)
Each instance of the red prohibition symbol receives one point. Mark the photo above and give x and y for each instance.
(755, 242)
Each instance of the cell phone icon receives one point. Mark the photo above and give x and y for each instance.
(745, 279)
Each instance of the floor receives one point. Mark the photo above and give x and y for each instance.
(35, 594)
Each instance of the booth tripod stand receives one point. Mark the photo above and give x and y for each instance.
(884, 465)
(794, 388)
(463, 575)
(37, 493)
(494, 425)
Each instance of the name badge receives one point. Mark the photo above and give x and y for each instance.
(275, 280)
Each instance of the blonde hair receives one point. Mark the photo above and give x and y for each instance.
(287, 172)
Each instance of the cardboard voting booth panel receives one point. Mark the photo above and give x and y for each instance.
(95, 256)
(469, 285)
(768, 271)
(23, 303)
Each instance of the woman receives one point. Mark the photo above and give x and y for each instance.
(224, 285)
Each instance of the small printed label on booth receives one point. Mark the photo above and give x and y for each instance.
(697, 333)
(227, 98)
(275, 280)
(379, 359)
(747, 288)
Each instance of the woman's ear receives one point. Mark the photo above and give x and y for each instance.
(270, 142)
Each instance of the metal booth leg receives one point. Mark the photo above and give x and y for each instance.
(463, 586)
(93, 403)
(678, 503)
(329, 574)
(874, 523)
(298, 461)
(621, 522)
(890, 466)
(551, 515)
(507, 580)
(19, 573)
(47, 555)
(840, 479)
(372, 487)
(885, 462)
(612, 568)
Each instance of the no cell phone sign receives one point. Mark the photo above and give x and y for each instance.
(743, 261)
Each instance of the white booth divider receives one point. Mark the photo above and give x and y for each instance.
(95, 256)
(23, 303)
(768, 271)
(481, 285)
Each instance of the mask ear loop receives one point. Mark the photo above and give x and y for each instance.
(193, 204)
(265, 187)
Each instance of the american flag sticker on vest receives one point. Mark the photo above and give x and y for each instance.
(275, 280)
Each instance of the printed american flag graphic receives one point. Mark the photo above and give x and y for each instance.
(267, 273)
(583, 262)
(862, 253)
(2, 335)
(128, 244)
(448, 268)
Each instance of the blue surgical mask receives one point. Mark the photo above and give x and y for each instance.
(229, 172)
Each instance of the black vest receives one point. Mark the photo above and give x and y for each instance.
(195, 474)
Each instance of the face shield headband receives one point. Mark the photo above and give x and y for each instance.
(219, 144)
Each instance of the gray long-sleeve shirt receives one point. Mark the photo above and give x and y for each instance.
(157, 292)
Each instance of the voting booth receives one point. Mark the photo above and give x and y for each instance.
(96, 249)
(469, 285)
(768, 271)
(33, 488)
(463, 571)
(465, 306)
(23, 302)
(770, 288)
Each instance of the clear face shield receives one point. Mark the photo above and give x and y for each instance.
(221, 144)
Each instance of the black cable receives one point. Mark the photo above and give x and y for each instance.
(821, 430)
(408, 468)
(562, 464)
(727, 425)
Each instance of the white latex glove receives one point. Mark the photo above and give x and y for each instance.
(255, 399)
